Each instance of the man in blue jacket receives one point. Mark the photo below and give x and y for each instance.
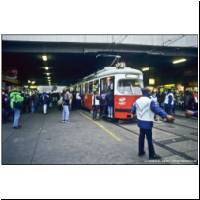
(145, 108)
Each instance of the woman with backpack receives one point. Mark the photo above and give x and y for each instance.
(16, 101)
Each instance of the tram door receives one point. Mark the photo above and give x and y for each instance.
(107, 89)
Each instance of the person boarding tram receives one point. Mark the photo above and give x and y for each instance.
(109, 102)
(145, 108)
(95, 105)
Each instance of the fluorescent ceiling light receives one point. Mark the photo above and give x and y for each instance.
(179, 61)
(46, 68)
(44, 58)
(145, 69)
(151, 81)
(47, 73)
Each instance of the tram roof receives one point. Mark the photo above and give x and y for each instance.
(106, 71)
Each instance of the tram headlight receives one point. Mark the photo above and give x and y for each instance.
(122, 101)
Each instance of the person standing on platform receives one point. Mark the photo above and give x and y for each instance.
(145, 108)
(169, 102)
(71, 100)
(33, 102)
(78, 100)
(16, 103)
(155, 99)
(45, 101)
(65, 105)
(5, 107)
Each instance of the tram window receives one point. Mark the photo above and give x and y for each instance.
(129, 86)
(103, 85)
(83, 88)
(96, 85)
(107, 84)
(90, 87)
(78, 88)
(86, 88)
(74, 88)
(110, 83)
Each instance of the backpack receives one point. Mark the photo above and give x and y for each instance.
(17, 105)
(17, 101)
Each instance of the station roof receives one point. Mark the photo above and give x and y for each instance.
(69, 62)
(170, 40)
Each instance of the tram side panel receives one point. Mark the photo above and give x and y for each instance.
(122, 106)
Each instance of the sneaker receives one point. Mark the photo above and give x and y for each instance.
(141, 154)
(155, 157)
(16, 127)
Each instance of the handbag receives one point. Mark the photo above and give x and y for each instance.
(60, 101)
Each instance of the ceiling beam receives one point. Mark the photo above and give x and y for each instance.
(66, 47)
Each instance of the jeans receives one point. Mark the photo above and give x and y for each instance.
(148, 133)
(45, 108)
(110, 111)
(16, 117)
(32, 107)
(168, 109)
(65, 114)
(95, 109)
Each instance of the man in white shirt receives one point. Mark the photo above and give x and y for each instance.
(78, 100)
(169, 102)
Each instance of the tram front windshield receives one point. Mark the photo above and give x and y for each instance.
(129, 87)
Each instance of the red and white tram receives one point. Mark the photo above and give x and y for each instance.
(124, 82)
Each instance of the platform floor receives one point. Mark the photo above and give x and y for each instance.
(44, 139)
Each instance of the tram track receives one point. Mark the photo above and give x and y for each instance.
(184, 117)
(175, 152)
(175, 133)
(160, 144)
(183, 125)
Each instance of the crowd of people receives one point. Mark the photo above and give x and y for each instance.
(16, 102)
(102, 104)
(171, 101)
(151, 104)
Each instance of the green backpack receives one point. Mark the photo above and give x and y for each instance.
(16, 100)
